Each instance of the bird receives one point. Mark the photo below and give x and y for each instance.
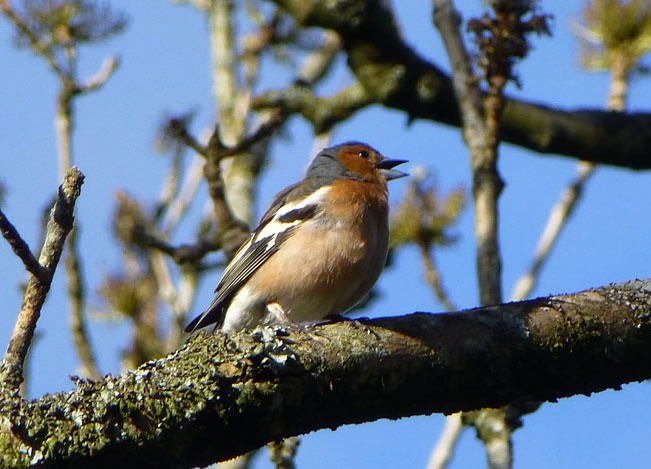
(317, 250)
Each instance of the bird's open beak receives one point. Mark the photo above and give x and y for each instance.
(386, 165)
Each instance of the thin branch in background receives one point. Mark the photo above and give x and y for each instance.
(424, 217)
(322, 112)
(317, 64)
(443, 451)
(77, 298)
(59, 225)
(184, 253)
(433, 276)
(166, 289)
(95, 82)
(264, 130)
(177, 128)
(186, 293)
(231, 231)
(170, 187)
(558, 218)
(19, 246)
(177, 206)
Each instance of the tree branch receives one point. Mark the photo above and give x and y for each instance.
(58, 227)
(19, 246)
(219, 395)
(323, 113)
(480, 137)
(394, 75)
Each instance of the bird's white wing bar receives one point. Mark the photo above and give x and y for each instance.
(266, 240)
(292, 213)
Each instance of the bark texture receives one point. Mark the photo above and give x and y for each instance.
(220, 396)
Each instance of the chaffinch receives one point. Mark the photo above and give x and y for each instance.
(318, 249)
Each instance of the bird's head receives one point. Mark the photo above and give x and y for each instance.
(356, 161)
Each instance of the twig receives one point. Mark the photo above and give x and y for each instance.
(316, 65)
(216, 148)
(266, 129)
(558, 218)
(59, 225)
(181, 254)
(95, 82)
(443, 451)
(179, 204)
(77, 297)
(232, 232)
(19, 246)
(322, 112)
(433, 277)
(178, 129)
(186, 290)
(165, 286)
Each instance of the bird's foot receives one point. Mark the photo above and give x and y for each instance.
(278, 315)
(356, 323)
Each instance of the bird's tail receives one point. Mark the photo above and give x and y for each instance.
(213, 315)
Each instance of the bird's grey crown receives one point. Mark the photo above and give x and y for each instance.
(328, 167)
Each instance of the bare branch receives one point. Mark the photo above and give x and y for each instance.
(266, 129)
(77, 299)
(322, 112)
(433, 276)
(59, 225)
(95, 82)
(442, 453)
(558, 218)
(177, 128)
(19, 246)
(177, 205)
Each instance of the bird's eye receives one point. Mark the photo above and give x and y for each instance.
(363, 154)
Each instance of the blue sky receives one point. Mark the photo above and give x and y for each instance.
(165, 69)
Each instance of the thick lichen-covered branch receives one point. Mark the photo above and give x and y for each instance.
(197, 405)
(393, 74)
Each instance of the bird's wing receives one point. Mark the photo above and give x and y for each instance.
(289, 208)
